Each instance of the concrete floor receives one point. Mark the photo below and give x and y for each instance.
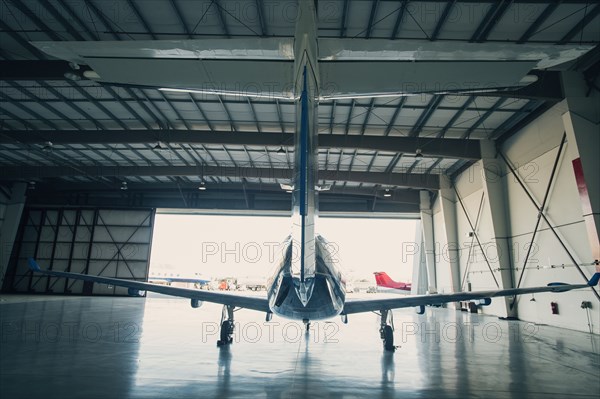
(157, 347)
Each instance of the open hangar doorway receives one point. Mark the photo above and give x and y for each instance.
(239, 251)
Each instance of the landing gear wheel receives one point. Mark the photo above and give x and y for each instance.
(226, 332)
(307, 324)
(386, 331)
(388, 338)
(227, 326)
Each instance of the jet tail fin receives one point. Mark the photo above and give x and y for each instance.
(383, 279)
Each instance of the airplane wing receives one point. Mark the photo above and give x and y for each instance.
(178, 279)
(403, 78)
(263, 67)
(372, 305)
(254, 303)
(409, 67)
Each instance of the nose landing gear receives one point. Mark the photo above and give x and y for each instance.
(307, 324)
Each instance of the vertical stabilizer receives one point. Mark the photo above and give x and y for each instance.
(304, 206)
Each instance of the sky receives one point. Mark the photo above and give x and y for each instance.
(249, 246)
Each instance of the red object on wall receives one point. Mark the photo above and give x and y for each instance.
(586, 207)
(582, 187)
(554, 307)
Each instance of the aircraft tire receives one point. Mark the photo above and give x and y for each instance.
(226, 331)
(388, 339)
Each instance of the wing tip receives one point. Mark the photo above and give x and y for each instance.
(594, 280)
(33, 265)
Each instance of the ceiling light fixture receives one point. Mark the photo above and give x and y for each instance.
(124, 186)
(387, 193)
(31, 185)
(418, 153)
(202, 186)
(288, 188)
(72, 76)
(48, 147)
(160, 147)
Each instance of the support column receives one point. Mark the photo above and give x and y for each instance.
(582, 125)
(428, 243)
(419, 279)
(447, 200)
(499, 253)
(10, 225)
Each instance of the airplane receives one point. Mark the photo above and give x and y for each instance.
(307, 285)
(385, 283)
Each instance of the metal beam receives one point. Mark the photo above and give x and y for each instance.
(345, 18)
(430, 147)
(141, 18)
(442, 19)
(105, 21)
(407, 196)
(24, 43)
(219, 198)
(75, 17)
(399, 107)
(502, 136)
(61, 19)
(179, 15)
(221, 17)
(399, 19)
(580, 25)
(455, 117)
(261, 18)
(426, 114)
(483, 118)
(36, 20)
(374, 6)
(514, 119)
(35, 70)
(532, 30)
(411, 180)
(490, 20)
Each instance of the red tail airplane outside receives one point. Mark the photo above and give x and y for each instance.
(385, 281)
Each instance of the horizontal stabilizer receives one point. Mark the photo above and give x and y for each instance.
(264, 67)
(543, 56)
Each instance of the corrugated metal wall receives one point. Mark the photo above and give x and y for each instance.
(104, 242)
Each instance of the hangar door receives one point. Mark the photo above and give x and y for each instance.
(103, 242)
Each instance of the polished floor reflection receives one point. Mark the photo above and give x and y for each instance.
(160, 347)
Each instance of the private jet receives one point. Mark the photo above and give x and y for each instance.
(308, 285)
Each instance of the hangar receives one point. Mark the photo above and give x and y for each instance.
(504, 181)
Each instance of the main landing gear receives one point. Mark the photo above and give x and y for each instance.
(227, 326)
(386, 331)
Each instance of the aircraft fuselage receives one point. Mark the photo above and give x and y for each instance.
(308, 284)
(328, 295)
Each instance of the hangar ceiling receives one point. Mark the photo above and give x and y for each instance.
(80, 142)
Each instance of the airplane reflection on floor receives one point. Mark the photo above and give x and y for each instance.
(158, 352)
